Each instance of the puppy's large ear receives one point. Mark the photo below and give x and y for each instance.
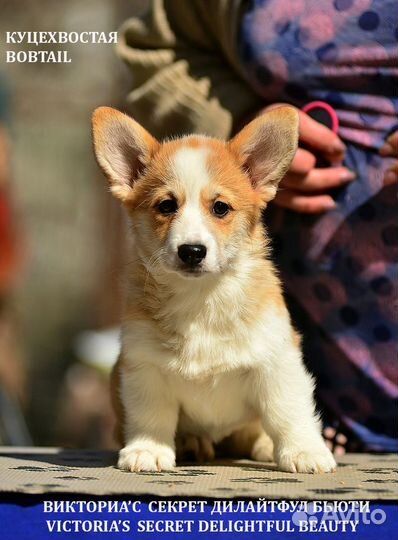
(266, 147)
(122, 148)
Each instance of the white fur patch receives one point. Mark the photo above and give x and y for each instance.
(190, 168)
(192, 226)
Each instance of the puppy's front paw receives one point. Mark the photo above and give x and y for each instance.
(146, 457)
(319, 459)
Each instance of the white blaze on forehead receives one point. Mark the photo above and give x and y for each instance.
(191, 226)
(190, 169)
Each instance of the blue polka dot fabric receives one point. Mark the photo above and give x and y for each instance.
(342, 51)
(339, 268)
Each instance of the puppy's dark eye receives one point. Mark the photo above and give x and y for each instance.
(168, 206)
(221, 209)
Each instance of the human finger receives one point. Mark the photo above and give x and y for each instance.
(293, 200)
(322, 179)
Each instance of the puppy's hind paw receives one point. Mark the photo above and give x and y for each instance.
(195, 448)
(316, 460)
(263, 449)
(153, 457)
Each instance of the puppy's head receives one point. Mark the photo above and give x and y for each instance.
(195, 202)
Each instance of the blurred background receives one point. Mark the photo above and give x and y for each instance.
(61, 235)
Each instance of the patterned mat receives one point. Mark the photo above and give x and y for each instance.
(90, 472)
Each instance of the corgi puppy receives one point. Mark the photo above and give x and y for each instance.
(208, 350)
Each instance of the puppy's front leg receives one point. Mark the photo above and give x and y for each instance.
(285, 401)
(150, 420)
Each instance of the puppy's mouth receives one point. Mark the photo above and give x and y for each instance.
(187, 270)
(191, 271)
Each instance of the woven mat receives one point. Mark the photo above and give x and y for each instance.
(90, 472)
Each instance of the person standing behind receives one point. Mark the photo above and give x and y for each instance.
(208, 67)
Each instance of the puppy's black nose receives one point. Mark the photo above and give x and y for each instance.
(192, 254)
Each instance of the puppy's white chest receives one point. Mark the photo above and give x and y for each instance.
(201, 349)
(216, 405)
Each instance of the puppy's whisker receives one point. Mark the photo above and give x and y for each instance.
(151, 264)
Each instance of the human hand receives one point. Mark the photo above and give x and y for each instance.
(305, 187)
(390, 149)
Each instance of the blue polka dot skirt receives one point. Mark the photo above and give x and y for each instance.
(339, 269)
